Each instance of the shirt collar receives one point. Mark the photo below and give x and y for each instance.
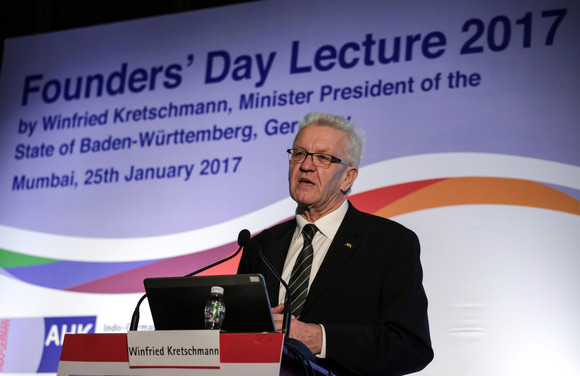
(327, 225)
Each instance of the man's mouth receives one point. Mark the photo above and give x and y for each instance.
(305, 181)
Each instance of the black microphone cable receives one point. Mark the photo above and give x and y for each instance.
(300, 351)
(265, 237)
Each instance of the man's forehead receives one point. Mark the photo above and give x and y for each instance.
(322, 137)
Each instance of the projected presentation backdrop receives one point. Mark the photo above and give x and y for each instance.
(142, 148)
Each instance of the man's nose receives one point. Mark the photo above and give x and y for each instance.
(308, 163)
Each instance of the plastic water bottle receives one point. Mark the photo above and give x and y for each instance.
(215, 308)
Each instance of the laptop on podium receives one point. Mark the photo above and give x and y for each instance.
(177, 303)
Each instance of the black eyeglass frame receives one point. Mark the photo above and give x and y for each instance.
(332, 159)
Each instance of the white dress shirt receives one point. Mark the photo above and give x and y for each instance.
(327, 229)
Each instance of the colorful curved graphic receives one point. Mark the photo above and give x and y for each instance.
(127, 277)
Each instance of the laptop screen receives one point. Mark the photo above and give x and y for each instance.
(177, 303)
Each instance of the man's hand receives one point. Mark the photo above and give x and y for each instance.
(309, 334)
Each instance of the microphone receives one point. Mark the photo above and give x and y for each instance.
(299, 349)
(243, 238)
(265, 238)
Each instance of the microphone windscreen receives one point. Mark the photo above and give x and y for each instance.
(243, 237)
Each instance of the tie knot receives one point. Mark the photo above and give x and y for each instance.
(309, 230)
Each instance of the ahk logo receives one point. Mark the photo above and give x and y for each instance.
(55, 329)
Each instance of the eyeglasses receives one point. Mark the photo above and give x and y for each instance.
(319, 159)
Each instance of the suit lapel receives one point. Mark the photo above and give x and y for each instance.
(275, 252)
(341, 249)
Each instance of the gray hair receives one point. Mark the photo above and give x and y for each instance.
(355, 137)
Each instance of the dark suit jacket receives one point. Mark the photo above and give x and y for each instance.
(368, 294)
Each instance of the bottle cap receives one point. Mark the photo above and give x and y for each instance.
(217, 290)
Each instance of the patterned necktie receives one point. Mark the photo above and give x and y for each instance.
(301, 271)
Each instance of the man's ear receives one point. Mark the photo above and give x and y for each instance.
(349, 178)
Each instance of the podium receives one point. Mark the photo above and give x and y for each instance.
(240, 354)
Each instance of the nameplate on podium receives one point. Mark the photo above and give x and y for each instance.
(174, 349)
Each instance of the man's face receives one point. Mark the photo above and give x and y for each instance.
(320, 189)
